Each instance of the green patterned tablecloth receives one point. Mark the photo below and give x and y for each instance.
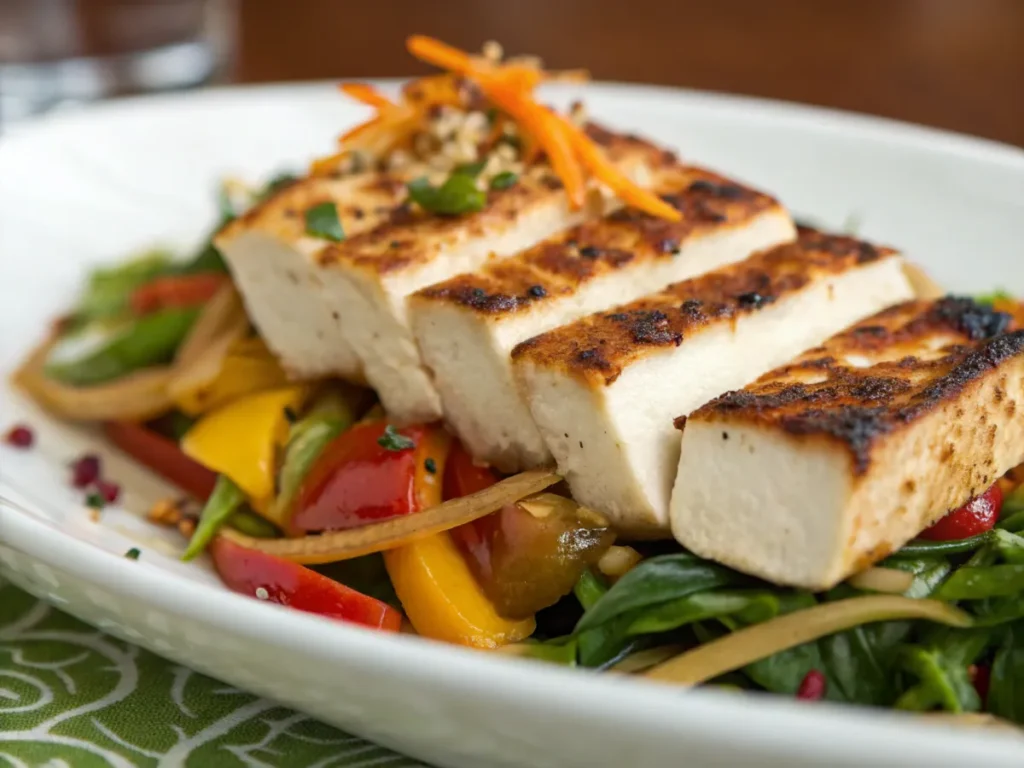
(72, 696)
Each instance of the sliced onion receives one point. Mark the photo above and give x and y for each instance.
(147, 392)
(140, 395)
(890, 580)
(377, 537)
(760, 641)
(201, 356)
(643, 660)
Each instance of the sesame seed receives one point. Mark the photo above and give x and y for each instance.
(262, 594)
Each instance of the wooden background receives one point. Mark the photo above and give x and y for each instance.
(956, 64)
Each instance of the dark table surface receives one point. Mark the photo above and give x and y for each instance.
(956, 64)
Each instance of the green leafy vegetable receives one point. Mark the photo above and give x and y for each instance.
(992, 298)
(1006, 686)
(459, 194)
(109, 289)
(322, 221)
(392, 440)
(251, 524)
(944, 681)
(133, 553)
(924, 547)
(225, 500)
(976, 583)
(504, 180)
(98, 354)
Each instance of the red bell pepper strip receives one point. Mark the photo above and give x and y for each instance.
(370, 473)
(163, 456)
(177, 291)
(976, 516)
(257, 574)
(461, 478)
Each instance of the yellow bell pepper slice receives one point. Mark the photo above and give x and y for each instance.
(443, 600)
(247, 367)
(241, 439)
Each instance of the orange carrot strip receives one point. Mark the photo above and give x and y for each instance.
(444, 56)
(366, 94)
(605, 171)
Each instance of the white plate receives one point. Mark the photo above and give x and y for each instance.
(83, 187)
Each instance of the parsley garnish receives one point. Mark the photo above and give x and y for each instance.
(431, 466)
(391, 440)
(133, 553)
(504, 180)
(322, 221)
(458, 194)
(94, 500)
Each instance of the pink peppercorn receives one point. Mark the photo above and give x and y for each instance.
(20, 436)
(108, 490)
(85, 471)
(812, 687)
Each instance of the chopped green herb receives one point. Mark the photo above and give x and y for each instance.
(431, 466)
(992, 298)
(290, 415)
(276, 184)
(95, 500)
(459, 194)
(504, 180)
(133, 553)
(471, 169)
(391, 440)
(322, 221)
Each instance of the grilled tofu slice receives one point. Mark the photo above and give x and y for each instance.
(830, 463)
(369, 276)
(467, 326)
(274, 264)
(605, 389)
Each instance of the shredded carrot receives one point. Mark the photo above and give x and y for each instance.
(444, 56)
(367, 94)
(606, 172)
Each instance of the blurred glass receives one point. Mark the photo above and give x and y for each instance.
(59, 52)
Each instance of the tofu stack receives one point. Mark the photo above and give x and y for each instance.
(829, 463)
(466, 327)
(340, 308)
(604, 390)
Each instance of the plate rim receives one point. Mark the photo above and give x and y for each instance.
(711, 716)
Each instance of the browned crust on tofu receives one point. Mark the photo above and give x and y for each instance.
(363, 202)
(820, 396)
(559, 266)
(413, 237)
(599, 347)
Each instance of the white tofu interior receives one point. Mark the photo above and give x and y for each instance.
(616, 444)
(285, 297)
(373, 310)
(468, 351)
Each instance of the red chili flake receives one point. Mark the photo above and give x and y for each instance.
(20, 436)
(108, 490)
(85, 471)
(812, 687)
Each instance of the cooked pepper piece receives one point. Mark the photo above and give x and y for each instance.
(266, 577)
(443, 600)
(241, 440)
(226, 499)
(99, 354)
(163, 456)
(176, 291)
(371, 473)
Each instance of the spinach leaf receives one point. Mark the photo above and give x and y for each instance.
(1006, 688)
(656, 581)
(749, 607)
(1009, 545)
(603, 644)
(976, 582)
(943, 677)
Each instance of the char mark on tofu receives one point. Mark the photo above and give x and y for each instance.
(467, 326)
(615, 380)
(857, 402)
(855, 447)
